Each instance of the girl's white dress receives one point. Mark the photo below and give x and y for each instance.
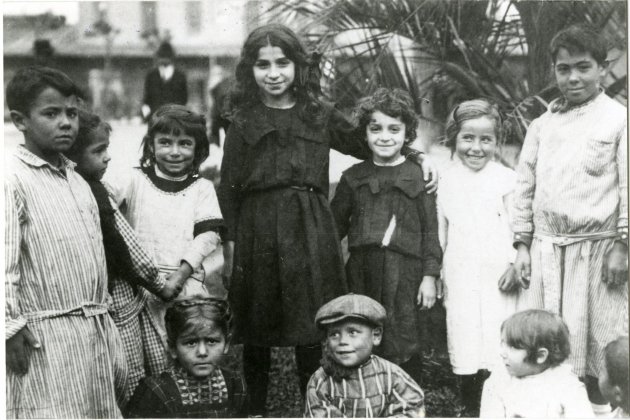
(553, 393)
(175, 221)
(477, 241)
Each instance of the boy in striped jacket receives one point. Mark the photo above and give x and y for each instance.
(353, 382)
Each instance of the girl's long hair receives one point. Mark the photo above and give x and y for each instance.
(306, 85)
(176, 119)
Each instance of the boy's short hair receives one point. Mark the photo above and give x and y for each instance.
(29, 82)
(616, 363)
(88, 123)
(533, 329)
(351, 306)
(580, 38)
(395, 103)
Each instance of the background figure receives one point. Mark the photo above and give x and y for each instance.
(164, 84)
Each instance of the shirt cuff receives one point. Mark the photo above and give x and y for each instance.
(524, 238)
(12, 326)
(622, 235)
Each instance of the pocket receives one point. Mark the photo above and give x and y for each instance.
(599, 156)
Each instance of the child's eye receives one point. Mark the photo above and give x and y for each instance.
(187, 144)
(374, 128)
(284, 62)
(486, 140)
(261, 64)
(72, 113)
(394, 129)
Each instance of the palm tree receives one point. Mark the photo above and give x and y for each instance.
(448, 51)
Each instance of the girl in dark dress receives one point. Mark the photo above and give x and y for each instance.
(287, 261)
(391, 222)
(196, 386)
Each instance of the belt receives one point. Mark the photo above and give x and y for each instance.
(87, 309)
(552, 272)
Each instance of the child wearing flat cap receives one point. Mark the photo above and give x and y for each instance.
(352, 381)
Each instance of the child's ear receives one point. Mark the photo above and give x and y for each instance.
(18, 120)
(377, 335)
(542, 354)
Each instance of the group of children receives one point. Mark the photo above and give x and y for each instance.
(78, 250)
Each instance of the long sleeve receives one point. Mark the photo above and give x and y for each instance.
(522, 214)
(345, 137)
(406, 399)
(431, 249)
(229, 191)
(341, 206)
(319, 401)
(144, 267)
(442, 225)
(14, 321)
(622, 169)
(491, 402)
(147, 98)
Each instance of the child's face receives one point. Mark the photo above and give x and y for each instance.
(274, 74)
(476, 142)
(92, 163)
(51, 126)
(515, 363)
(350, 343)
(577, 75)
(611, 392)
(385, 137)
(174, 154)
(200, 350)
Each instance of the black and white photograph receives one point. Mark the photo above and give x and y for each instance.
(315, 208)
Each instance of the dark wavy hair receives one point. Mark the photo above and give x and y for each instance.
(306, 86)
(470, 110)
(580, 38)
(616, 365)
(395, 103)
(176, 119)
(29, 82)
(533, 329)
(189, 314)
(88, 124)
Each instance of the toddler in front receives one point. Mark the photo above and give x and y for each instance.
(535, 382)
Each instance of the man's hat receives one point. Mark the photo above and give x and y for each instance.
(351, 306)
(165, 50)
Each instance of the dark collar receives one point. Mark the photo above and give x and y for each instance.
(167, 185)
(410, 179)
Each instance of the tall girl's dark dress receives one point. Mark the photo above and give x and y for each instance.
(274, 199)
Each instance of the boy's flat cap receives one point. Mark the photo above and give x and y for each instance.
(351, 306)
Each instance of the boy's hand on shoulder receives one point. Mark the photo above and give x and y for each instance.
(615, 267)
(18, 354)
(427, 293)
(173, 287)
(430, 172)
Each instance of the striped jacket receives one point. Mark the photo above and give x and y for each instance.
(56, 284)
(378, 388)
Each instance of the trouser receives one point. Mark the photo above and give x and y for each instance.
(413, 367)
(256, 366)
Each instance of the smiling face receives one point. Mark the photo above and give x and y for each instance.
(174, 153)
(199, 350)
(385, 137)
(476, 142)
(577, 75)
(274, 74)
(350, 342)
(51, 126)
(92, 162)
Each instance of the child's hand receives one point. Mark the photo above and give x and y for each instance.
(509, 281)
(615, 268)
(17, 351)
(523, 266)
(429, 170)
(427, 292)
(173, 287)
